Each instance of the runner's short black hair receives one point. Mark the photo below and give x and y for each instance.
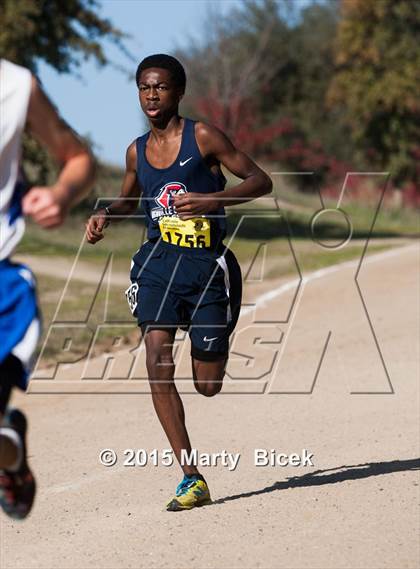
(164, 62)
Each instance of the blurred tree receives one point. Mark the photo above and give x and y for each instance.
(234, 62)
(378, 83)
(313, 56)
(262, 73)
(62, 34)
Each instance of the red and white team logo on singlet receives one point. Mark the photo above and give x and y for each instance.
(164, 199)
(169, 190)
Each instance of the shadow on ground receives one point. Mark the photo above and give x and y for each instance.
(331, 476)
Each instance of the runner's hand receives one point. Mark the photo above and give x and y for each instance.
(193, 204)
(95, 226)
(45, 207)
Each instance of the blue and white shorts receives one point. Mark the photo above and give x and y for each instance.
(194, 289)
(20, 325)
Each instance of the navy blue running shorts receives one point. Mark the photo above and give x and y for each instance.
(194, 289)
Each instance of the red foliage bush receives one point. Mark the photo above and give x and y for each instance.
(283, 143)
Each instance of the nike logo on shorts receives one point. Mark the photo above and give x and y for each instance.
(209, 339)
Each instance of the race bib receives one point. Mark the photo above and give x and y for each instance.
(185, 233)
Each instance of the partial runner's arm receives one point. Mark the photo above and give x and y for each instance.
(124, 206)
(48, 205)
(215, 145)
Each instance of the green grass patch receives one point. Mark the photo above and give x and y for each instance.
(82, 305)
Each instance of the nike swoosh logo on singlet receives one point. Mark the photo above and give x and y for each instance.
(182, 163)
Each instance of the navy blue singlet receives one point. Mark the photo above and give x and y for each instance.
(189, 173)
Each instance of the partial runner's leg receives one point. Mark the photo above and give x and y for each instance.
(10, 447)
(208, 376)
(166, 399)
(17, 484)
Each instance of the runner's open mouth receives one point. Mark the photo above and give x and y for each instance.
(153, 111)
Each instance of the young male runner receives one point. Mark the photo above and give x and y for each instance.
(23, 103)
(182, 276)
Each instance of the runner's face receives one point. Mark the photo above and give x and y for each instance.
(158, 95)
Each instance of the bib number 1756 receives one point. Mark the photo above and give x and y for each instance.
(185, 233)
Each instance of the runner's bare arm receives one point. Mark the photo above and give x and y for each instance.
(125, 205)
(215, 144)
(48, 205)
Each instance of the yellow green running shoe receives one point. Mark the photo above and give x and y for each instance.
(192, 492)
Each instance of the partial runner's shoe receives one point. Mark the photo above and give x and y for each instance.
(17, 489)
(192, 492)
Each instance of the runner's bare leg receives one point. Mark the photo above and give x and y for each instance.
(166, 400)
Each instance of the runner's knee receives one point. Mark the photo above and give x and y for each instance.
(159, 359)
(208, 377)
(210, 388)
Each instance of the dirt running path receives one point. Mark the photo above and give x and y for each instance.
(60, 267)
(357, 507)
